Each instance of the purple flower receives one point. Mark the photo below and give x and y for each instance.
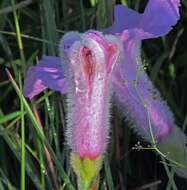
(90, 66)
(93, 66)
(47, 74)
(136, 94)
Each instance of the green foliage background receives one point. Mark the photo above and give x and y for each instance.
(31, 28)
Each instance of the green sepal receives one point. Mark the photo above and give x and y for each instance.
(86, 169)
(173, 147)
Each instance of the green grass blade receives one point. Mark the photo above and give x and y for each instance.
(18, 32)
(108, 173)
(8, 117)
(22, 140)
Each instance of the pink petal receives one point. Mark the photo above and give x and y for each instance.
(133, 98)
(91, 68)
(157, 20)
(48, 73)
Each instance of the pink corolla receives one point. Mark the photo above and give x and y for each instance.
(93, 66)
(90, 67)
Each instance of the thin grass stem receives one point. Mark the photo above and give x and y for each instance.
(22, 140)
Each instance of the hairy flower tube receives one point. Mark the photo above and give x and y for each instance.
(92, 60)
(139, 100)
(89, 72)
(92, 67)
